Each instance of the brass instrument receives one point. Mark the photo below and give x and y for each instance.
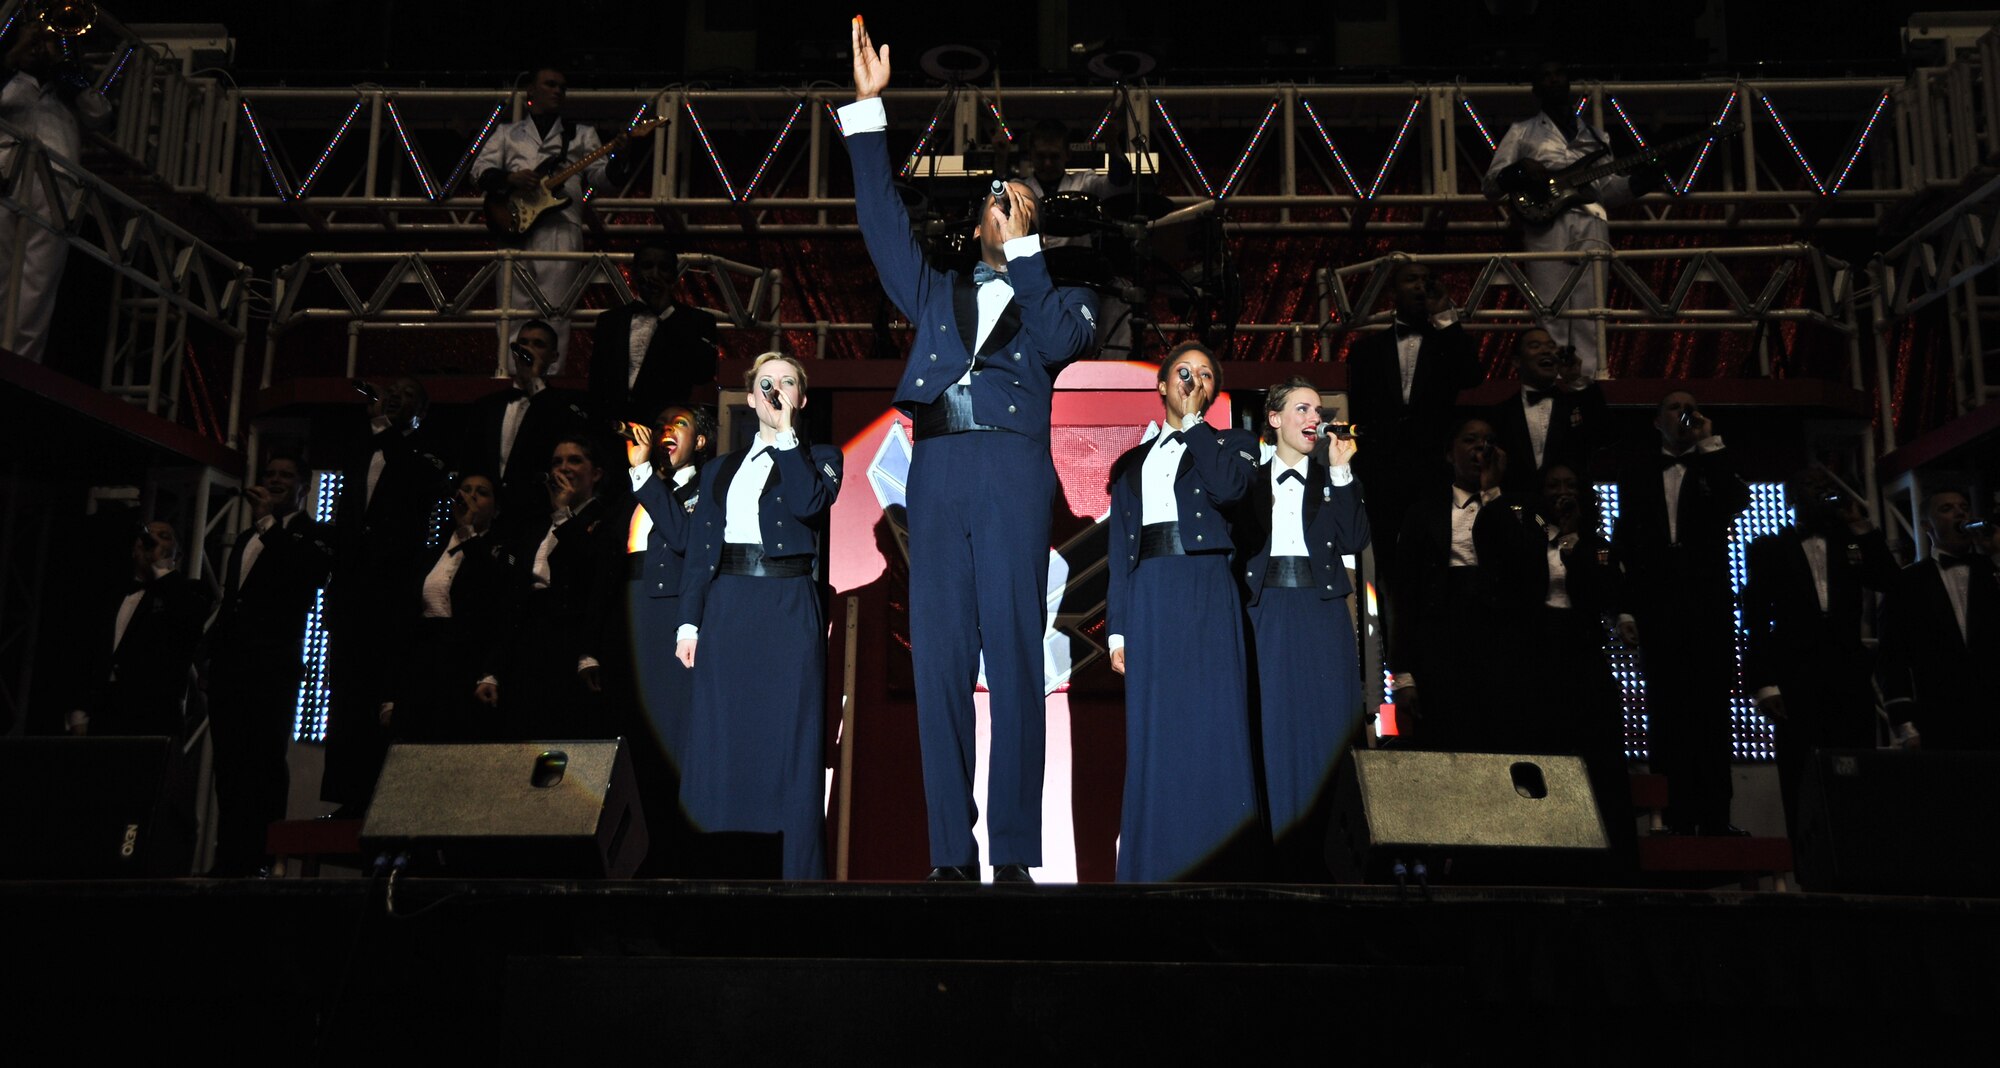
(68, 18)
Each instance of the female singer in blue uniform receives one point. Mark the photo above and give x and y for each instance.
(1177, 637)
(665, 460)
(750, 602)
(1303, 513)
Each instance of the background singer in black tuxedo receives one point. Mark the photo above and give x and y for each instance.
(654, 351)
(1941, 635)
(1558, 416)
(255, 660)
(141, 643)
(1671, 543)
(1402, 388)
(512, 432)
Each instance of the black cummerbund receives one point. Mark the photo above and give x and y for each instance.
(1160, 539)
(1288, 572)
(949, 414)
(749, 560)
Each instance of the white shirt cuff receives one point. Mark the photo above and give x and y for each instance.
(487, 680)
(1114, 643)
(1765, 693)
(864, 116)
(786, 439)
(266, 523)
(1711, 443)
(584, 663)
(1018, 247)
(640, 474)
(1627, 617)
(1190, 421)
(1405, 680)
(1444, 318)
(688, 632)
(379, 423)
(1343, 474)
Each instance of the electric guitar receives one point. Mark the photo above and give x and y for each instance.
(513, 212)
(1542, 195)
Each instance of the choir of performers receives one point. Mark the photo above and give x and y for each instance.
(753, 630)
(1302, 514)
(978, 386)
(1191, 807)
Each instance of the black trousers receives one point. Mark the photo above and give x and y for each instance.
(1687, 652)
(252, 700)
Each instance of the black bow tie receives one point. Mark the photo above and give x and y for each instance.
(1537, 396)
(1676, 461)
(1293, 475)
(1946, 561)
(760, 452)
(1174, 435)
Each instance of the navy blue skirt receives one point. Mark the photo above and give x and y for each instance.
(1190, 792)
(666, 687)
(1309, 698)
(753, 752)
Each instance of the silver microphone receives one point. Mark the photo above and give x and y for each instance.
(999, 191)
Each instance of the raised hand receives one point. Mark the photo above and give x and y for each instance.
(1341, 450)
(638, 444)
(1020, 218)
(871, 67)
(261, 502)
(1494, 468)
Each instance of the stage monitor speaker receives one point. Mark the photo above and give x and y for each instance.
(550, 808)
(1888, 822)
(80, 808)
(1396, 804)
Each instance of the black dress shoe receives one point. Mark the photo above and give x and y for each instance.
(1012, 873)
(952, 874)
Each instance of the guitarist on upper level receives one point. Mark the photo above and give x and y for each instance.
(519, 154)
(1556, 138)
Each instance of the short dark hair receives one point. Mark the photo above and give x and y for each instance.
(293, 458)
(543, 325)
(1050, 130)
(1174, 354)
(1521, 339)
(493, 480)
(1930, 497)
(1274, 401)
(583, 442)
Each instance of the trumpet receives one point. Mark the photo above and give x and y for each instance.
(68, 18)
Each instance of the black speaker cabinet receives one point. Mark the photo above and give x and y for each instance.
(80, 808)
(555, 808)
(1394, 804)
(1885, 822)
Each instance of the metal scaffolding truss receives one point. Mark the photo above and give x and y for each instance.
(475, 289)
(1286, 157)
(163, 278)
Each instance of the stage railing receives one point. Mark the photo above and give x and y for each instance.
(1306, 158)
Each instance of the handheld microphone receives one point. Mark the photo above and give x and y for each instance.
(367, 391)
(770, 394)
(624, 430)
(999, 190)
(1187, 378)
(521, 352)
(1344, 431)
(1975, 527)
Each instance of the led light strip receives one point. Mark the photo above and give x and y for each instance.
(630, 125)
(1106, 120)
(835, 115)
(790, 121)
(1701, 157)
(409, 148)
(472, 152)
(1619, 110)
(264, 150)
(1244, 159)
(120, 68)
(1580, 102)
(714, 158)
(1328, 141)
(338, 136)
(1185, 151)
(1797, 152)
(1861, 142)
(1479, 124)
(995, 109)
(1395, 146)
(918, 152)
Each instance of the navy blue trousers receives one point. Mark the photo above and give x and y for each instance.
(979, 569)
(1309, 708)
(1190, 791)
(753, 759)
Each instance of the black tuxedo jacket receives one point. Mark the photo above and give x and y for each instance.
(1579, 427)
(1512, 577)
(1933, 674)
(1789, 637)
(553, 414)
(1407, 436)
(1695, 574)
(1335, 525)
(681, 356)
(1589, 577)
(486, 596)
(138, 686)
(267, 613)
(379, 541)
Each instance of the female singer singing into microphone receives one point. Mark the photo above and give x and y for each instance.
(1177, 637)
(1303, 513)
(750, 603)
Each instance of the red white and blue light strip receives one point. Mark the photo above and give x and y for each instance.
(1175, 132)
(790, 121)
(1701, 157)
(264, 150)
(1631, 128)
(472, 151)
(713, 157)
(1249, 149)
(1326, 139)
(410, 148)
(331, 147)
(997, 117)
(1479, 124)
(1395, 146)
(923, 142)
(1797, 152)
(630, 125)
(1860, 142)
(1106, 119)
(838, 126)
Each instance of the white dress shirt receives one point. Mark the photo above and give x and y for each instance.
(1288, 508)
(513, 417)
(437, 584)
(1557, 595)
(1410, 341)
(1671, 479)
(643, 329)
(1537, 416)
(255, 547)
(1465, 509)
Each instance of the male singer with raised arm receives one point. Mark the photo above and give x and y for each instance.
(977, 389)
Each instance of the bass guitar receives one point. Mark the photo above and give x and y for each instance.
(1538, 196)
(513, 212)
